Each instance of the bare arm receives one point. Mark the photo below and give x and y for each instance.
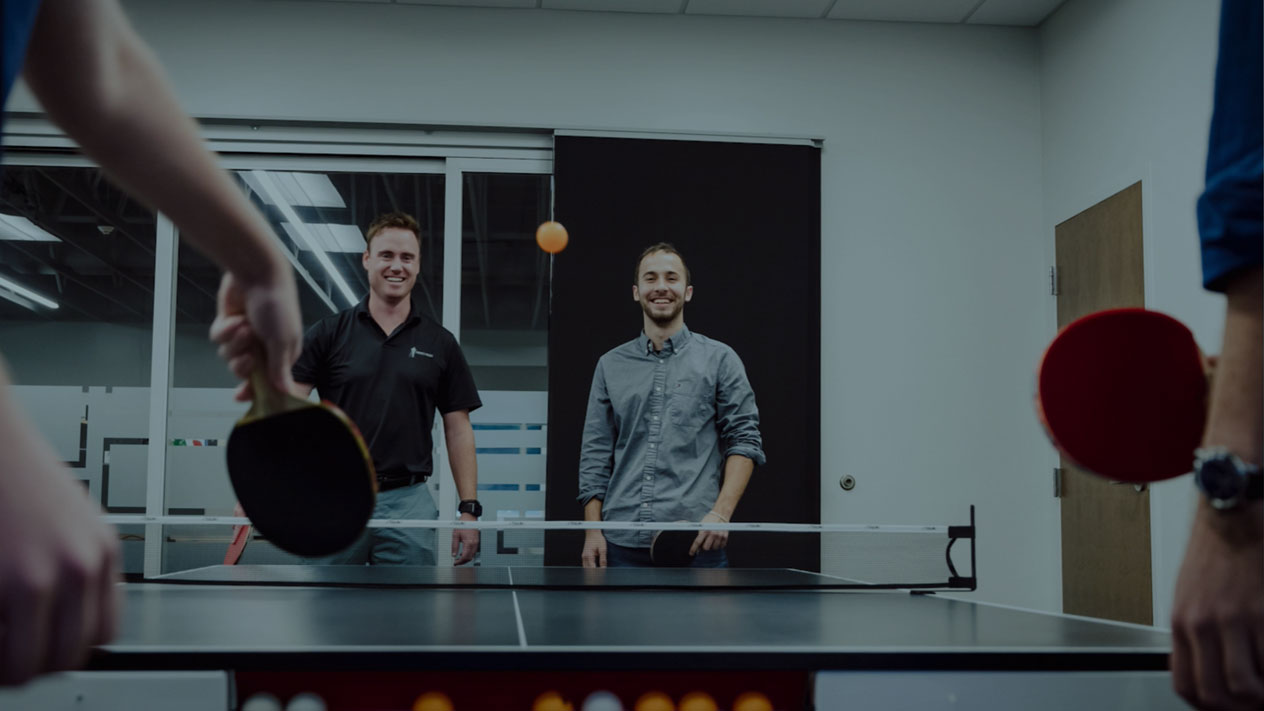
(100, 83)
(1218, 607)
(592, 510)
(737, 474)
(59, 562)
(459, 435)
(98, 80)
(1236, 417)
(594, 555)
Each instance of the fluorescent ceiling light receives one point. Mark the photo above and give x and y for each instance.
(331, 238)
(267, 188)
(298, 189)
(20, 229)
(17, 289)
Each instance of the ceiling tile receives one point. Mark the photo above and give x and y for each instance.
(903, 10)
(1023, 13)
(472, 3)
(758, 8)
(655, 6)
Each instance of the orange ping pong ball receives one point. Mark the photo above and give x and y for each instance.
(551, 236)
(752, 701)
(551, 701)
(654, 701)
(697, 701)
(432, 701)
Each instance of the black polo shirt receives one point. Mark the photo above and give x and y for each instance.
(390, 385)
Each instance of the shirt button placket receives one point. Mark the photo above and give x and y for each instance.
(655, 435)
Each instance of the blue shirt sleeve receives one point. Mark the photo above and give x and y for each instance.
(1230, 219)
(596, 452)
(17, 17)
(736, 413)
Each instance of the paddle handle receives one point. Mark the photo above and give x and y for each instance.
(267, 399)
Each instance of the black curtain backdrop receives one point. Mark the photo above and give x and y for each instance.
(747, 218)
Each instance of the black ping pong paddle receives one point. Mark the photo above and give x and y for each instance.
(670, 549)
(301, 472)
(1123, 394)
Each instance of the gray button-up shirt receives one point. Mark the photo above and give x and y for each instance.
(659, 427)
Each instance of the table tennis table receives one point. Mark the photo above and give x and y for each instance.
(809, 639)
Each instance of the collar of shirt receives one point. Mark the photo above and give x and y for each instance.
(671, 345)
(414, 313)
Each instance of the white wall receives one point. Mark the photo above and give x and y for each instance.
(1126, 89)
(932, 242)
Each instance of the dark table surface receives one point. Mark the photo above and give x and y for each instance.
(403, 618)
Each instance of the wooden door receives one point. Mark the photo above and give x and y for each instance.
(1105, 526)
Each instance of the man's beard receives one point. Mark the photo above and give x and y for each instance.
(664, 320)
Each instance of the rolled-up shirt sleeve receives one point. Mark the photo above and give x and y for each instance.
(596, 453)
(1231, 209)
(737, 416)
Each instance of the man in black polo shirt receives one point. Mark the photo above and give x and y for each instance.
(389, 368)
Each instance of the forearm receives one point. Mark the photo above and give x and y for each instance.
(1235, 419)
(1236, 416)
(23, 449)
(14, 428)
(592, 510)
(737, 474)
(115, 102)
(464, 462)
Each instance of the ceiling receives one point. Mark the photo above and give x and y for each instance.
(75, 248)
(1017, 13)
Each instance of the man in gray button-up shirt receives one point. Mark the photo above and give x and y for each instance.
(672, 431)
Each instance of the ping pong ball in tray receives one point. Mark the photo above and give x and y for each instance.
(432, 701)
(262, 701)
(654, 701)
(305, 702)
(602, 701)
(551, 701)
(752, 701)
(697, 701)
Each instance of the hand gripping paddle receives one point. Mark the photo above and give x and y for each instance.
(1123, 394)
(301, 471)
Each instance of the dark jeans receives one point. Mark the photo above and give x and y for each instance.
(622, 557)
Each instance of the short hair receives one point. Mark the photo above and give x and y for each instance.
(402, 220)
(661, 247)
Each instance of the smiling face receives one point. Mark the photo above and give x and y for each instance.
(661, 288)
(391, 262)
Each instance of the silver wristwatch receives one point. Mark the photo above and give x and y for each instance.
(1225, 479)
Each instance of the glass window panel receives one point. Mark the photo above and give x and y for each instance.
(76, 321)
(319, 219)
(504, 334)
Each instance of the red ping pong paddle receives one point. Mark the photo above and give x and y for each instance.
(1123, 394)
(670, 549)
(301, 471)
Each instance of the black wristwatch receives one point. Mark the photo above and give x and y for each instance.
(1225, 479)
(470, 506)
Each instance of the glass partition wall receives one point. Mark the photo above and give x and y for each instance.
(104, 315)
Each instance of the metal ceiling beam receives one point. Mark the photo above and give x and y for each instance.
(114, 271)
(109, 220)
(75, 280)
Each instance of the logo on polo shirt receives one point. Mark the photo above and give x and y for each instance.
(413, 353)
